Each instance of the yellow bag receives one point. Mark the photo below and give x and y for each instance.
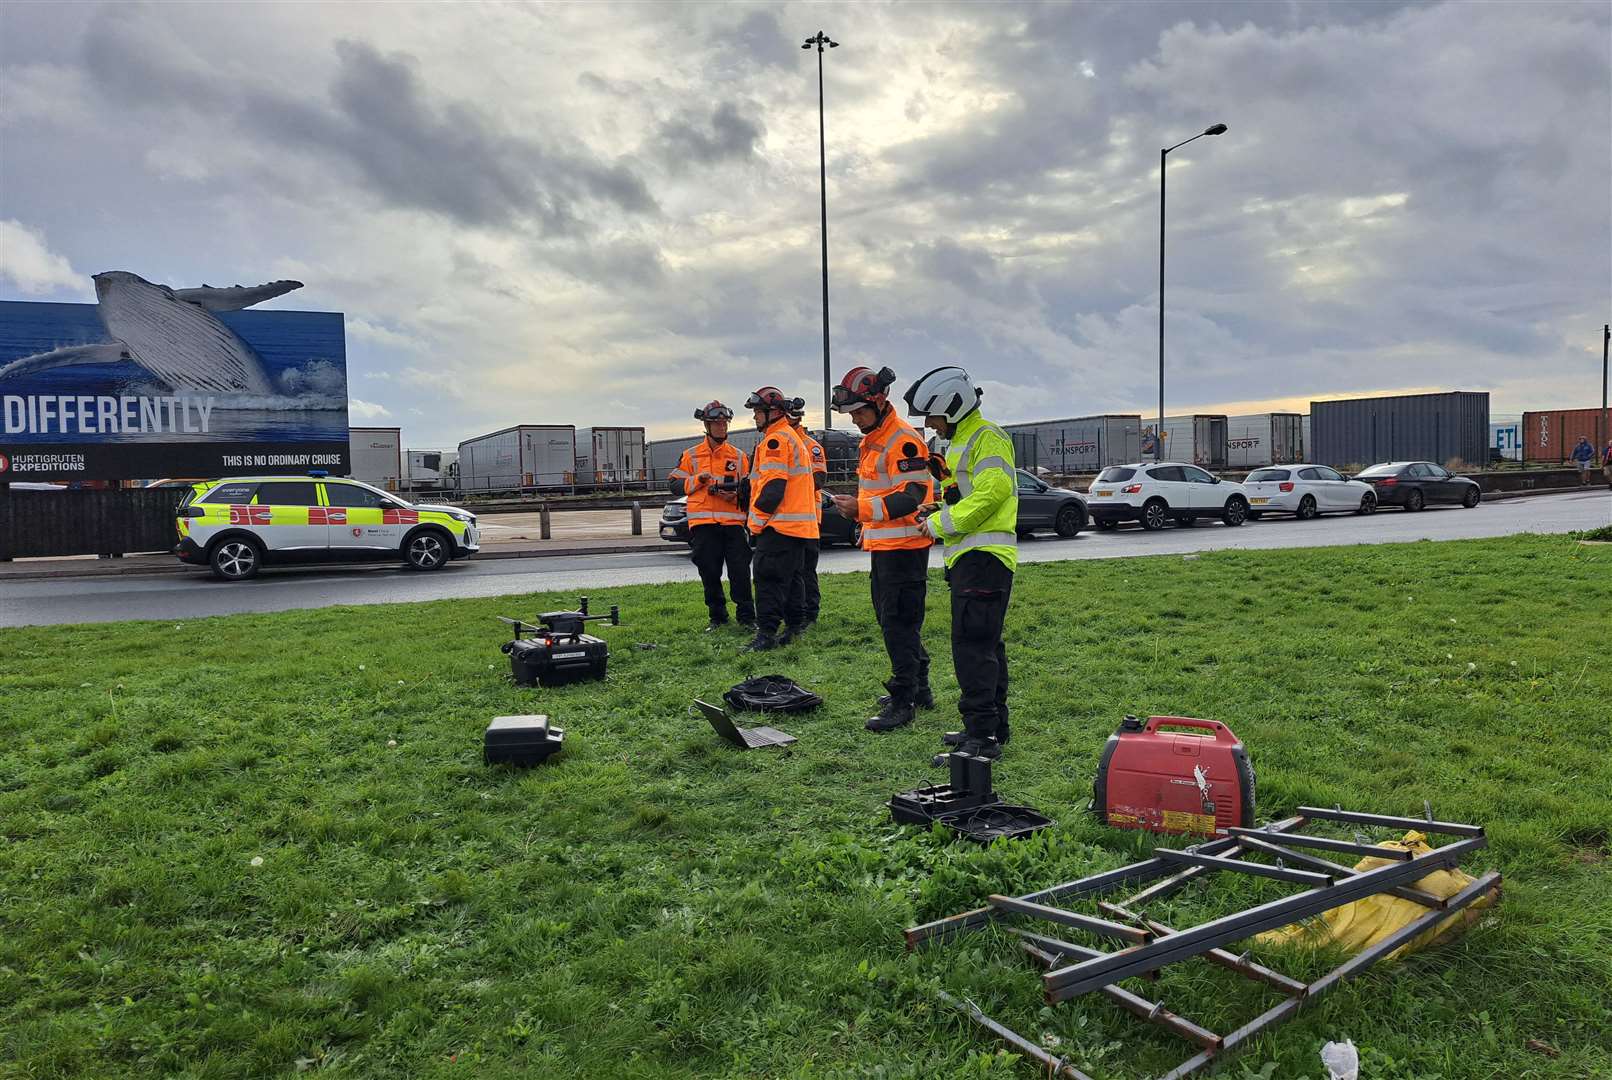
(1355, 926)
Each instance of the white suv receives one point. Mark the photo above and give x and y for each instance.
(1158, 492)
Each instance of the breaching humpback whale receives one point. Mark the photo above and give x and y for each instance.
(169, 332)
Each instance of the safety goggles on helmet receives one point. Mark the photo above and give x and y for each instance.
(862, 387)
(713, 411)
(768, 397)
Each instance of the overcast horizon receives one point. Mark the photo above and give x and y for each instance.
(608, 214)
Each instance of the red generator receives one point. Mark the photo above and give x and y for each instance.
(1193, 781)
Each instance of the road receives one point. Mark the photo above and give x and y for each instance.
(193, 595)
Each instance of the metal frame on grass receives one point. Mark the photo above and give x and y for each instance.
(1070, 970)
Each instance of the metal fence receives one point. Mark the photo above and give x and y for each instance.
(43, 523)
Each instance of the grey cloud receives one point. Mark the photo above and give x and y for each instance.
(727, 134)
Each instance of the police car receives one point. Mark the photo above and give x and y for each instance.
(239, 524)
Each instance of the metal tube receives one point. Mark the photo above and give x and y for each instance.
(1327, 866)
(1246, 968)
(1070, 918)
(1055, 1066)
(1180, 880)
(1326, 843)
(1152, 1012)
(822, 187)
(1217, 862)
(1601, 421)
(1080, 978)
(1426, 825)
(1158, 433)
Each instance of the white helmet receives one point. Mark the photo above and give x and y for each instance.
(945, 391)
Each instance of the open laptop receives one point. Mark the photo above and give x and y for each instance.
(746, 738)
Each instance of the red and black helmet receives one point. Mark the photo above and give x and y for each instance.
(863, 386)
(770, 398)
(713, 410)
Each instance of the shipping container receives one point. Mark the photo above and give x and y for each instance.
(1550, 436)
(1260, 439)
(611, 456)
(1410, 427)
(1309, 443)
(1199, 439)
(1505, 438)
(431, 470)
(664, 454)
(377, 456)
(530, 456)
(1080, 444)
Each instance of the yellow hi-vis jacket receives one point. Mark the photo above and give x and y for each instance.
(986, 514)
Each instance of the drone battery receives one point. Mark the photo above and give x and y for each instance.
(552, 661)
(520, 740)
(1194, 781)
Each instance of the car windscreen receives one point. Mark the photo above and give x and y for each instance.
(1380, 470)
(1115, 475)
(1267, 474)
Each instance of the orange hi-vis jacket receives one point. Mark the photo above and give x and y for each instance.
(780, 455)
(892, 457)
(726, 463)
(819, 464)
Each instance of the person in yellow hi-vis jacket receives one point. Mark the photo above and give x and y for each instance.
(976, 521)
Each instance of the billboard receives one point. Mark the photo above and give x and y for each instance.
(156, 382)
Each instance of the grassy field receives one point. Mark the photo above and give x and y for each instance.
(214, 861)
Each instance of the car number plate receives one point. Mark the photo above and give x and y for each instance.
(1102, 494)
(1259, 502)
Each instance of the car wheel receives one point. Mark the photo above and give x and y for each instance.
(1368, 503)
(1414, 500)
(427, 550)
(1255, 515)
(236, 558)
(1155, 514)
(1473, 497)
(1106, 525)
(1307, 509)
(856, 535)
(1236, 511)
(1069, 521)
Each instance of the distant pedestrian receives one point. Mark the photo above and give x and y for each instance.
(1606, 463)
(1584, 454)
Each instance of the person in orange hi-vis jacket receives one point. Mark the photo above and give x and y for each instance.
(893, 481)
(782, 516)
(710, 473)
(804, 594)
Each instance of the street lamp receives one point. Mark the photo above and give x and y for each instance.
(822, 42)
(1158, 434)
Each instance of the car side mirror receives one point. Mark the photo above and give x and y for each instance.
(1215, 479)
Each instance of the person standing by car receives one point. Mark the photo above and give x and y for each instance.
(783, 510)
(804, 594)
(1584, 454)
(709, 474)
(978, 524)
(893, 481)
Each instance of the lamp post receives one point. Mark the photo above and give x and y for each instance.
(1600, 421)
(821, 40)
(1158, 433)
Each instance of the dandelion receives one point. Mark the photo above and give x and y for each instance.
(1514, 663)
(1449, 656)
(360, 667)
(1470, 666)
(400, 682)
(1452, 620)
(83, 686)
(257, 860)
(391, 743)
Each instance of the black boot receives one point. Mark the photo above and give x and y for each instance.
(760, 643)
(894, 714)
(716, 623)
(958, 738)
(923, 699)
(789, 634)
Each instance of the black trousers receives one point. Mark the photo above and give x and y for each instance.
(716, 546)
(981, 586)
(900, 586)
(777, 560)
(803, 592)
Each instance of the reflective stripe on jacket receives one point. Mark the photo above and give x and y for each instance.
(892, 456)
(780, 455)
(986, 515)
(725, 462)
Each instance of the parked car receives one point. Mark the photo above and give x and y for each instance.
(835, 528)
(1156, 493)
(1042, 506)
(1306, 491)
(238, 525)
(1416, 484)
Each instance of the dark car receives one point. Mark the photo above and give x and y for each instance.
(835, 529)
(1042, 506)
(1415, 484)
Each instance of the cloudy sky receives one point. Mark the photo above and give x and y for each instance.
(608, 213)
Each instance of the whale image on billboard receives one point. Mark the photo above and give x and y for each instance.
(154, 381)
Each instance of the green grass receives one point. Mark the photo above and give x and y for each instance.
(655, 904)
